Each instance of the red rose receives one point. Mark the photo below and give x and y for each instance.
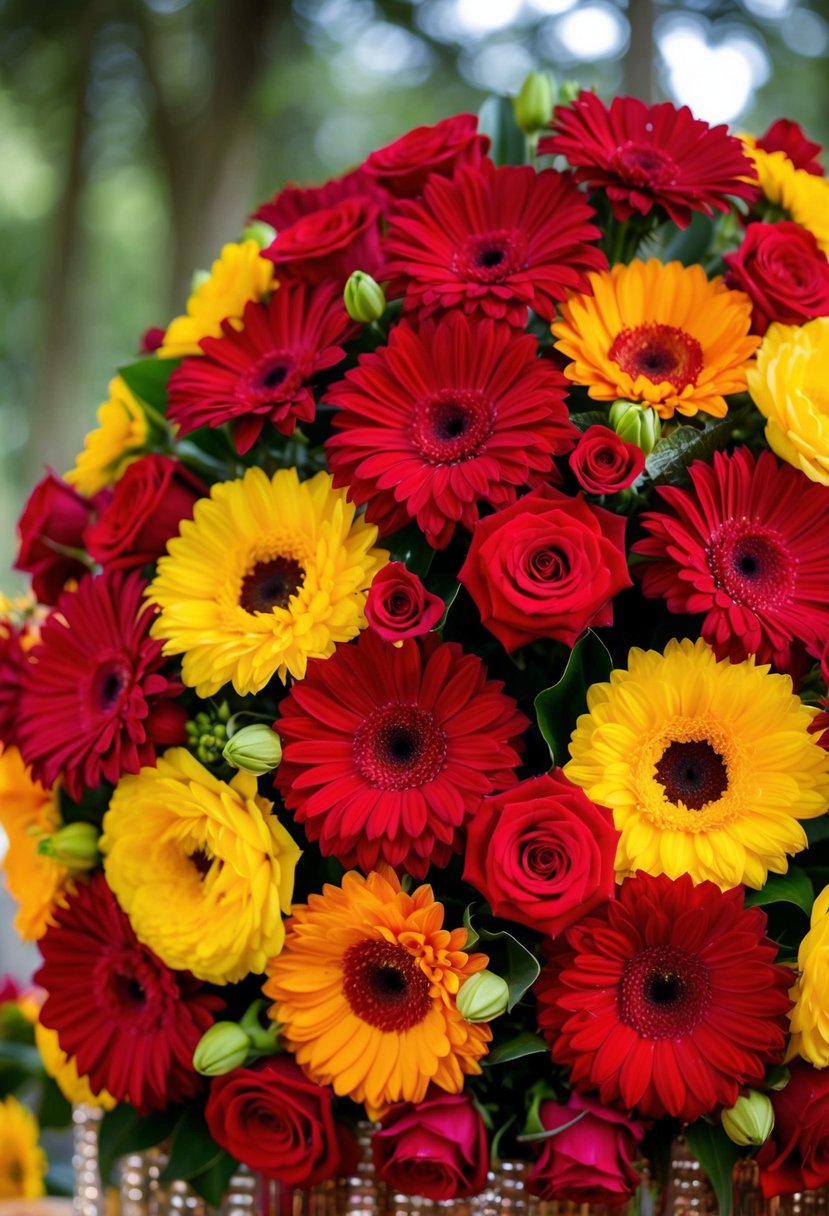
(436, 1148)
(541, 853)
(273, 1119)
(404, 166)
(603, 463)
(589, 1162)
(399, 606)
(796, 1157)
(784, 271)
(149, 502)
(293, 202)
(546, 567)
(330, 243)
(787, 137)
(51, 526)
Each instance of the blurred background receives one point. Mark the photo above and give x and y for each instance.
(137, 135)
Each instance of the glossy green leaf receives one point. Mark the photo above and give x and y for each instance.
(793, 887)
(497, 120)
(471, 933)
(524, 1044)
(411, 547)
(192, 1149)
(669, 460)
(124, 1131)
(689, 245)
(558, 707)
(211, 1184)
(522, 967)
(148, 380)
(590, 418)
(717, 1155)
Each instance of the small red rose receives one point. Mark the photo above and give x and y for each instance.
(50, 528)
(436, 1148)
(603, 463)
(399, 606)
(403, 167)
(784, 271)
(796, 1157)
(330, 243)
(591, 1161)
(789, 138)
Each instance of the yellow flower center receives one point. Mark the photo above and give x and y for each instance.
(686, 775)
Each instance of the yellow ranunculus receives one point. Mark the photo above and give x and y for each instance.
(115, 443)
(810, 1016)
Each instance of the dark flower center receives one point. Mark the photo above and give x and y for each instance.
(751, 563)
(384, 985)
(692, 773)
(108, 685)
(643, 165)
(201, 861)
(274, 377)
(271, 584)
(490, 257)
(127, 992)
(664, 993)
(452, 425)
(399, 747)
(658, 352)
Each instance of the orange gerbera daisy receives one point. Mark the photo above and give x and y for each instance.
(365, 990)
(661, 334)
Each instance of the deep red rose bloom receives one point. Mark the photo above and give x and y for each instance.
(645, 156)
(443, 417)
(276, 1121)
(53, 521)
(670, 1000)
(293, 202)
(541, 853)
(494, 242)
(746, 544)
(796, 1157)
(404, 167)
(151, 339)
(546, 567)
(265, 371)
(399, 606)
(590, 1161)
(131, 1023)
(436, 1148)
(388, 750)
(330, 243)
(149, 502)
(789, 138)
(603, 463)
(89, 695)
(784, 270)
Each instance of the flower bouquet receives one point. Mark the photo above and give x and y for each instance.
(420, 703)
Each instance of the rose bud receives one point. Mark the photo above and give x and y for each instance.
(750, 1120)
(364, 298)
(399, 606)
(482, 997)
(603, 463)
(257, 749)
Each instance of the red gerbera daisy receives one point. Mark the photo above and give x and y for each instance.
(92, 688)
(389, 750)
(262, 372)
(645, 156)
(494, 242)
(669, 999)
(443, 417)
(747, 545)
(131, 1023)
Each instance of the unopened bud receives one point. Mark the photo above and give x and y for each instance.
(75, 846)
(364, 298)
(257, 230)
(750, 1120)
(636, 424)
(568, 91)
(222, 1048)
(256, 749)
(484, 996)
(533, 107)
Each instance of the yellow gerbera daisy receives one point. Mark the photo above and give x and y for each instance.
(202, 869)
(810, 1016)
(706, 765)
(660, 334)
(22, 1160)
(63, 1068)
(803, 195)
(269, 573)
(365, 992)
(790, 387)
(238, 275)
(117, 441)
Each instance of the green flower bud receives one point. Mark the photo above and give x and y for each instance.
(222, 1048)
(484, 996)
(750, 1120)
(75, 846)
(569, 91)
(533, 107)
(256, 749)
(259, 231)
(636, 424)
(364, 298)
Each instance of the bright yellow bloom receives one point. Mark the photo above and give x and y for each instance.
(810, 1016)
(202, 869)
(790, 387)
(64, 1070)
(117, 441)
(269, 573)
(22, 1160)
(27, 813)
(803, 195)
(365, 992)
(659, 334)
(238, 275)
(706, 765)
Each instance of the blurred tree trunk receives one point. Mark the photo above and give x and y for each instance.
(640, 61)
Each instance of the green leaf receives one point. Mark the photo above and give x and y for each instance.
(524, 1044)
(471, 934)
(497, 120)
(192, 1150)
(211, 1184)
(522, 967)
(817, 829)
(530, 1137)
(53, 1109)
(124, 1131)
(717, 1155)
(669, 460)
(794, 887)
(558, 707)
(148, 380)
(590, 418)
(411, 547)
(688, 245)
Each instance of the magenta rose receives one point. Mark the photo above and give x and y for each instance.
(403, 167)
(784, 271)
(796, 1157)
(541, 853)
(590, 1161)
(436, 1148)
(50, 529)
(603, 463)
(399, 606)
(548, 566)
(330, 243)
(273, 1119)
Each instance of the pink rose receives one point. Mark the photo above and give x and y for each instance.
(436, 1148)
(589, 1162)
(399, 606)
